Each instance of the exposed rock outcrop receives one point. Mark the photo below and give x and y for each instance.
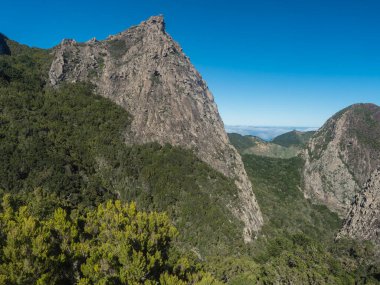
(4, 49)
(145, 71)
(363, 220)
(341, 156)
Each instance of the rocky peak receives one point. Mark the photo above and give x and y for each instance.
(145, 71)
(151, 29)
(154, 23)
(341, 156)
(68, 42)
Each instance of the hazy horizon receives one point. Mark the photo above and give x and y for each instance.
(265, 132)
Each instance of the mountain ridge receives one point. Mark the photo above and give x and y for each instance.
(145, 71)
(293, 138)
(341, 156)
(255, 145)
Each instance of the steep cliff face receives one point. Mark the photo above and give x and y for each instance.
(341, 156)
(145, 71)
(363, 219)
(4, 49)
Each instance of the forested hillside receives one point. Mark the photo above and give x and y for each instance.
(257, 146)
(69, 143)
(293, 138)
(79, 206)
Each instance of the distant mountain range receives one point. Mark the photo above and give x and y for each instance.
(286, 145)
(265, 132)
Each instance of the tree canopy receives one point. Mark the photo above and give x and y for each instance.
(112, 244)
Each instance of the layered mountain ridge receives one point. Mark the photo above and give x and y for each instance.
(145, 71)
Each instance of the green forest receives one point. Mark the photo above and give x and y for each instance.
(79, 206)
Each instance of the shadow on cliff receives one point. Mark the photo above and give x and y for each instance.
(4, 48)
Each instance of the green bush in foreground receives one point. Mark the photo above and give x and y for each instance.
(112, 244)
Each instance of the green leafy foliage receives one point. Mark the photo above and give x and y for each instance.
(26, 69)
(112, 244)
(50, 139)
(298, 259)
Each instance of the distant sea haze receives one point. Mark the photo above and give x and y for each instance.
(265, 133)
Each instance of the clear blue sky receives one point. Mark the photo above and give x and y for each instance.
(268, 62)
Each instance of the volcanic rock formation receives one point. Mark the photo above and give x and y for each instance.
(341, 156)
(363, 219)
(145, 71)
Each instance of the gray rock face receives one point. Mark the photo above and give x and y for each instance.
(145, 71)
(4, 49)
(341, 156)
(363, 219)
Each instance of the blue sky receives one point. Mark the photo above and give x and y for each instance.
(272, 62)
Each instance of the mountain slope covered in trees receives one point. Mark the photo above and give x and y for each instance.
(69, 183)
(143, 70)
(69, 143)
(293, 138)
(255, 145)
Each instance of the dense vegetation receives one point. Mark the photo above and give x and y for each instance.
(297, 259)
(293, 138)
(254, 145)
(277, 189)
(296, 245)
(112, 244)
(241, 142)
(4, 49)
(66, 177)
(366, 124)
(69, 143)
